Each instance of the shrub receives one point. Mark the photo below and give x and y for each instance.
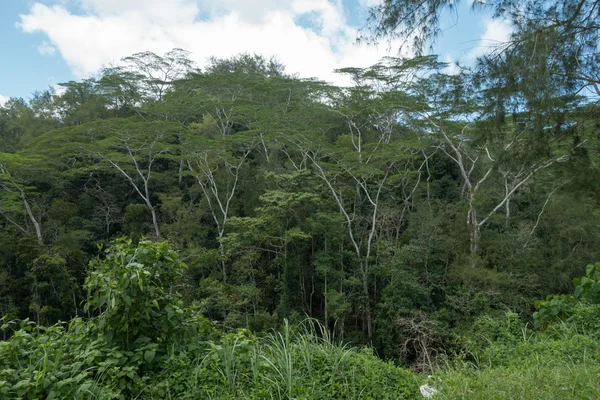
(141, 342)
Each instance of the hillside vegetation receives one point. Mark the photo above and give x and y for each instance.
(140, 341)
(234, 231)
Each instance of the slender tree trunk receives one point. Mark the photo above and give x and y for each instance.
(473, 226)
(223, 265)
(145, 195)
(181, 164)
(367, 305)
(36, 224)
(155, 222)
(150, 206)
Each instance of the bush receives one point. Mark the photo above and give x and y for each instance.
(300, 363)
(556, 364)
(143, 343)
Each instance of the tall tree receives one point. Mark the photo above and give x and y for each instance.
(134, 150)
(216, 165)
(16, 197)
(157, 74)
(373, 161)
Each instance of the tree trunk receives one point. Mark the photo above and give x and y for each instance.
(180, 172)
(475, 234)
(36, 224)
(223, 266)
(154, 222)
(473, 225)
(367, 305)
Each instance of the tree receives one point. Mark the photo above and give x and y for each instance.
(253, 64)
(216, 165)
(155, 74)
(373, 162)
(21, 122)
(81, 102)
(554, 41)
(134, 151)
(120, 88)
(107, 209)
(486, 151)
(280, 230)
(14, 198)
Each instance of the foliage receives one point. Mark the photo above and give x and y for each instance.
(406, 212)
(139, 323)
(516, 362)
(302, 362)
(588, 287)
(131, 289)
(144, 343)
(554, 308)
(580, 308)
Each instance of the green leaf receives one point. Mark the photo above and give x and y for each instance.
(589, 268)
(149, 355)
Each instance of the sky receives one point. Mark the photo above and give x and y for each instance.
(46, 42)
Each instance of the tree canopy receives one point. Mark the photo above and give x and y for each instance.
(399, 209)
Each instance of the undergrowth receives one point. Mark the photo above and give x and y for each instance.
(139, 341)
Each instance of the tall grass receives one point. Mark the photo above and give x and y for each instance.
(304, 361)
(560, 363)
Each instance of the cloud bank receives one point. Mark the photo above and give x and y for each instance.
(496, 33)
(310, 37)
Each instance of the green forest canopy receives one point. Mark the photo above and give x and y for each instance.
(413, 201)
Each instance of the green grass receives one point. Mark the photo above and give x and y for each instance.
(532, 382)
(303, 362)
(560, 363)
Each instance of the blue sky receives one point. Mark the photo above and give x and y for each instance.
(24, 69)
(45, 42)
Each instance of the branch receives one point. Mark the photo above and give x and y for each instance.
(339, 203)
(13, 222)
(518, 185)
(539, 217)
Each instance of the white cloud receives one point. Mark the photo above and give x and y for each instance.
(496, 33)
(453, 67)
(3, 100)
(58, 90)
(46, 49)
(155, 10)
(107, 30)
(250, 11)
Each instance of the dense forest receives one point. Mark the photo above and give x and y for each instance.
(409, 223)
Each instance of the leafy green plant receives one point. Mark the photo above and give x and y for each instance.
(53, 362)
(588, 287)
(132, 290)
(555, 308)
(560, 307)
(139, 324)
